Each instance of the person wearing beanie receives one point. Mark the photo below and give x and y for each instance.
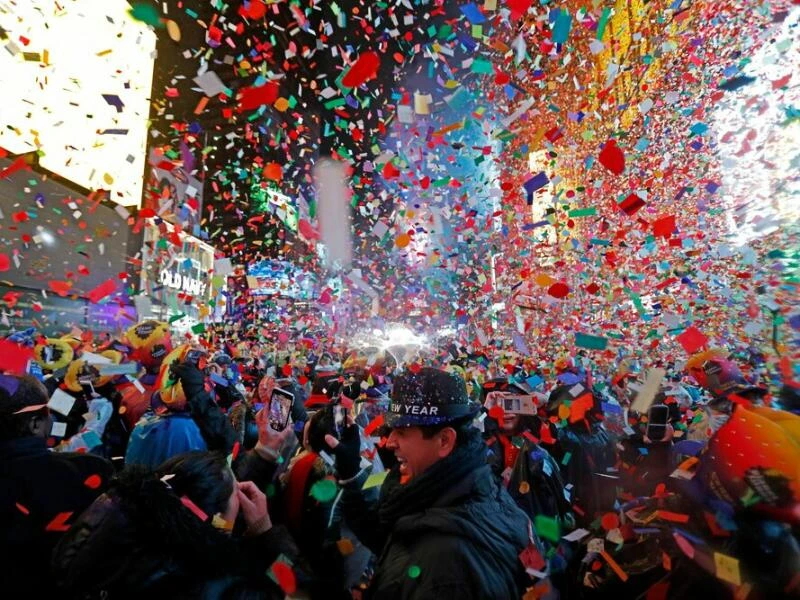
(441, 525)
(41, 492)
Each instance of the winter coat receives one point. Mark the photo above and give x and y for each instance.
(131, 543)
(41, 494)
(451, 532)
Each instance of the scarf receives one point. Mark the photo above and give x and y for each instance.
(424, 490)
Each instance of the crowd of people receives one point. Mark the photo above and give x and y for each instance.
(224, 469)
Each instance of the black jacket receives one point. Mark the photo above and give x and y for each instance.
(586, 457)
(41, 494)
(128, 545)
(452, 532)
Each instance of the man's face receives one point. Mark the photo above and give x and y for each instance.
(414, 453)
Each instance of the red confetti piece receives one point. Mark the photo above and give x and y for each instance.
(692, 340)
(612, 158)
(273, 171)
(59, 522)
(518, 7)
(363, 69)
(609, 521)
(254, 97)
(198, 512)
(235, 451)
(22, 509)
(286, 370)
(285, 577)
(307, 230)
(664, 227)
(256, 10)
(18, 164)
(101, 291)
(93, 482)
(497, 413)
(5, 263)
(558, 290)
(62, 288)
(15, 357)
(373, 425)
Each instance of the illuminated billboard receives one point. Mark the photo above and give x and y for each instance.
(280, 278)
(76, 77)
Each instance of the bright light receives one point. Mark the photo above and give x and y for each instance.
(47, 238)
(58, 62)
(390, 337)
(398, 335)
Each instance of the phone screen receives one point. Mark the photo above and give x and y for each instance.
(280, 408)
(657, 418)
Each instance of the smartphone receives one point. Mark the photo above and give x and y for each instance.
(280, 409)
(657, 418)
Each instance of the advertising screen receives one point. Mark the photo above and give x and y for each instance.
(76, 77)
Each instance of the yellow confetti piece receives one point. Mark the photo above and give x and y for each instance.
(173, 31)
(108, 179)
(727, 568)
(281, 104)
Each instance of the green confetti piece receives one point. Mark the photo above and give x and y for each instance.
(583, 212)
(547, 527)
(177, 317)
(199, 328)
(482, 66)
(566, 459)
(414, 571)
(601, 25)
(324, 491)
(146, 13)
(593, 342)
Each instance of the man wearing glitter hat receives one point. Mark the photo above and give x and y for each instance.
(440, 524)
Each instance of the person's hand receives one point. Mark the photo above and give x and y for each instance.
(267, 436)
(347, 451)
(253, 504)
(189, 375)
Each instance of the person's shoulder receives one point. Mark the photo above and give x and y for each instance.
(85, 461)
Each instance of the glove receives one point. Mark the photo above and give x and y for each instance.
(347, 452)
(190, 376)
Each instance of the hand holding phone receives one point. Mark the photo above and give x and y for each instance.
(280, 409)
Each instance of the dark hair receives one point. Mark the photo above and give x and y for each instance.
(320, 423)
(29, 393)
(153, 504)
(205, 477)
(462, 426)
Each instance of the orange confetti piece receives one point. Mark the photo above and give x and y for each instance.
(614, 566)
